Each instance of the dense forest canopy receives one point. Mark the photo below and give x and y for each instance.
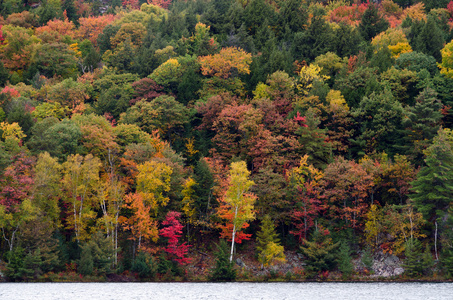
(136, 134)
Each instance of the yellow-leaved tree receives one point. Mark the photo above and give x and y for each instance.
(237, 198)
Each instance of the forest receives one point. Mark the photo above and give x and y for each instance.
(162, 140)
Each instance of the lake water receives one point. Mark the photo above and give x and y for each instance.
(249, 291)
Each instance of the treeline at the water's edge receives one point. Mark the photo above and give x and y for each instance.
(226, 140)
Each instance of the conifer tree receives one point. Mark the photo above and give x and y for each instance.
(430, 40)
(422, 121)
(319, 252)
(269, 248)
(372, 24)
(433, 188)
(224, 268)
(344, 260)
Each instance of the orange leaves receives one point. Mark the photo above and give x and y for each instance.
(348, 14)
(226, 63)
(160, 3)
(63, 28)
(140, 223)
(415, 12)
(91, 27)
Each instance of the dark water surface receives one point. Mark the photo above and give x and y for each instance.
(249, 291)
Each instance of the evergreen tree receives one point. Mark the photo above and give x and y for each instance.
(224, 269)
(413, 264)
(86, 264)
(71, 12)
(430, 40)
(269, 248)
(367, 259)
(144, 265)
(422, 121)
(292, 15)
(344, 260)
(433, 188)
(319, 253)
(316, 40)
(372, 23)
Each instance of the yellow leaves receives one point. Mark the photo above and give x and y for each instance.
(446, 66)
(225, 63)
(261, 91)
(153, 180)
(373, 226)
(304, 172)
(336, 101)
(75, 48)
(188, 199)
(390, 37)
(273, 253)
(307, 75)
(12, 131)
(415, 12)
(167, 72)
(190, 148)
(399, 49)
(237, 197)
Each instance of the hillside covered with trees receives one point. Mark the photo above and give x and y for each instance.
(136, 136)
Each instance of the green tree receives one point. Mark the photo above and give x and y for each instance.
(319, 252)
(224, 268)
(417, 263)
(372, 23)
(422, 122)
(433, 188)
(430, 40)
(344, 260)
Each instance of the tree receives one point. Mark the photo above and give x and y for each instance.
(47, 189)
(422, 121)
(446, 66)
(305, 179)
(230, 62)
(372, 23)
(430, 40)
(224, 268)
(240, 202)
(379, 116)
(344, 260)
(173, 232)
(140, 223)
(319, 252)
(80, 179)
(55, 59)
(269, 248)
(434, 184)
(153, 182)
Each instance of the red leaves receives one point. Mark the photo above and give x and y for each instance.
(16, 182)
(146, 88)
(161, 3)
(173, 232)
(300, 120)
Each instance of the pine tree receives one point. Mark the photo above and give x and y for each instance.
(372, 24)
(344, 260)
(319, 253)
(86, 266)
(433, 188)
(269, 248)
(430, 40)
(413, 264)
(224, 269)
(422, 121)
